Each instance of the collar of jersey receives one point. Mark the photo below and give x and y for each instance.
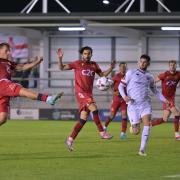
(140, 70)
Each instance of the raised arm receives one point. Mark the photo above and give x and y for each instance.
(109, 70)
(26, 66)
(60, 63)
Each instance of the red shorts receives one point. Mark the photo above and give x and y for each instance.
(7, 89)
(172, 102)
(117, 103)
(84, 100)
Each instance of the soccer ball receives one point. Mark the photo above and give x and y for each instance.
(103, 83)
(135, 129)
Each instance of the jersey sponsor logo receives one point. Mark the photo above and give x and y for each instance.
(88, 72)
(171, 83)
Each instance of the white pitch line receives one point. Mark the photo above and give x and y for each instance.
(173, 176)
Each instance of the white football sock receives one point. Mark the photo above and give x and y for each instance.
(48, 98)
(144, 137)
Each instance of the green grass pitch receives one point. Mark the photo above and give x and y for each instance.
(35, 150)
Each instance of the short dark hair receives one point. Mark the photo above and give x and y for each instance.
(4, 44)
(121, 63)
(85, 48)
(145, 56)
(173, 61)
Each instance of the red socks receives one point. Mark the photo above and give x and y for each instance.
(157, 122)
(42, 97)
(77, 128)
(97, 121)
(108, 120)
(176, 123)
(124, 125)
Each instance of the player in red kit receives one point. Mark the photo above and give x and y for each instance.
(85, 71)
(10, 89)
(118, 101)
(169, 81)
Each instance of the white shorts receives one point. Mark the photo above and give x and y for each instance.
(136, 111)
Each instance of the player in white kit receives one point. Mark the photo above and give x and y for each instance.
(138, 82)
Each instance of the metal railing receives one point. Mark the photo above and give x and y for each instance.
(103, 98)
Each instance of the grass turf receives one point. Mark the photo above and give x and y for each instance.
(35, 150)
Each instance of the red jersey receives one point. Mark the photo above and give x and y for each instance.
(169, 83)
(6, 68)
(84, 75)
(117, 79)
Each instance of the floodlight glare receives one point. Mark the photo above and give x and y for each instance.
(170, 28)
(71, 28)
(105, 1)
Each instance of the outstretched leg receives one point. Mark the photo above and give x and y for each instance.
(11, 89)
(41, 97)
(166, 115)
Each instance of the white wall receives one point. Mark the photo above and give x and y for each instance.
(127, 49)
(101, 48)
(163, 48)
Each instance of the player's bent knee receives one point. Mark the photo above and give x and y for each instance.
(3, 120)
(92, 107)
(3, 117)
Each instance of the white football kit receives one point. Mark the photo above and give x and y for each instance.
(138, 83)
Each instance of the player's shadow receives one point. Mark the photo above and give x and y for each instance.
(39, 156)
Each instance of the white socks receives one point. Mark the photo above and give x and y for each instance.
(144, 137)
(48, 98)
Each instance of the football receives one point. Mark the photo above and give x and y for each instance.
(103, 83)
(134, 129)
